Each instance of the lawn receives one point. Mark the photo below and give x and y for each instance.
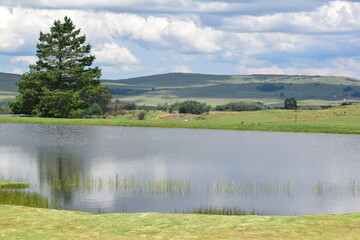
(17, 222)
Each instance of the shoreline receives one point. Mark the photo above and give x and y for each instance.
(337, 120)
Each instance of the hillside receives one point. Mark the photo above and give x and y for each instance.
(150, 90)
(224, 88)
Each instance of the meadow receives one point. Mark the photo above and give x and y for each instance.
(341, 119)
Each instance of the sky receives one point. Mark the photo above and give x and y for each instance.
(132, 38)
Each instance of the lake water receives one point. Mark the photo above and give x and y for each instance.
(126, 169)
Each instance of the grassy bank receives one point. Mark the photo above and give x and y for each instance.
(18, 222)
(334, 120)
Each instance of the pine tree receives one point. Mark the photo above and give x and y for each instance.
(62, 83)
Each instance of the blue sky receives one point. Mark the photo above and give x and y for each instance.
(134, 38)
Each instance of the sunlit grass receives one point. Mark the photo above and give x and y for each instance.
(33, 223)
(335, 120)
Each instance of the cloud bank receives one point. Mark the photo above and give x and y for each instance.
(134, 38)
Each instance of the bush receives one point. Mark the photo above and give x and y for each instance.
(141, 115)
(162, 107)
(242, 106)
(193, 107)
(94, 109)
(174, 107)
(290, 103)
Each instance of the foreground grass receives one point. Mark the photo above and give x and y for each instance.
(335, 120)
(17, 222)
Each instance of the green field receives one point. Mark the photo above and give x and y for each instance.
(344, 119)
(17, 222)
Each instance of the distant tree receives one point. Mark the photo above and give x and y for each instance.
(193, 107)
(242, 106)
(290, 103)
(162, 107)
(62, 83)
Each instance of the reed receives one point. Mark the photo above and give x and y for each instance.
(250, 188)
(30, 199)
(13, 185)
(117, 183)
(319, 189)
(169, 186)
(212, 210)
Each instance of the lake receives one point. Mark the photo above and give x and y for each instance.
(128, 169)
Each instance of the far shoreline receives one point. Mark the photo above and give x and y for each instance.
(337, 120)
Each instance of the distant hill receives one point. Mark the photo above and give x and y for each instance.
(259, 87)
(155, 88)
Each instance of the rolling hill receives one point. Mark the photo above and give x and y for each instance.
(150, 90)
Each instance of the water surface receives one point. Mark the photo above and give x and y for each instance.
(128, 169)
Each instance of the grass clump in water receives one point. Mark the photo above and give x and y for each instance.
(211, 210)
(29, 199)
(13, 185)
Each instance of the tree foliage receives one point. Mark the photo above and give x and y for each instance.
(242, 106)
(193, 107)
(290, 103)
(62, 83)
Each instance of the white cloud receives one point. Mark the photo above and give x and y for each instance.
(10, 42)
(25, 60)
(112, 53)
(181, 69)
(336, 16)
(17, 71)
(174, 6)
(338, 67)
(21, 26)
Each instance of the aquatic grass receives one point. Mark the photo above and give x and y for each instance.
(213, 210)
(13, 185)
(169, 186)
(30, 199)
(129, 184)
(250, 188)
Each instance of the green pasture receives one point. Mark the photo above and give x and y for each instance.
(343, 119)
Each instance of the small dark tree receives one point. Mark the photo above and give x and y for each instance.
(290, 103)
(62, 83)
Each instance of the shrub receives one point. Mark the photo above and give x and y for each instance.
(141, 115)
(193, 107)
(162, 107)
(290, 103)
(242, 106)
